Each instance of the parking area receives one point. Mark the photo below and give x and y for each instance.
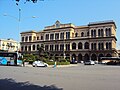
(76, 77)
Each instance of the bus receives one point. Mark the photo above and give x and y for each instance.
(110, 60)
(10, 58)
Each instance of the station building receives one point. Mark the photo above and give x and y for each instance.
(88, 42)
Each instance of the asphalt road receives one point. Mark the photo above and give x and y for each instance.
(80, 77)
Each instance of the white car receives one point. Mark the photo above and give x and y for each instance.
(39, 64)
(90, 62)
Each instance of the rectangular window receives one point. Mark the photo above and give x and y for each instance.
(56, 36)
(30, 38)
(46, 47)
(51, 36)
(67, 47)
(62, 35)
(26, 39)
(25, 48)
(56, 47)
(51, 47)
(47, 36)
(41, 37)
(67, 35)
(22, 39)
(37, 38)
(29, 49)
(61, 47)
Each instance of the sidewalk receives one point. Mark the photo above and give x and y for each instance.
(71, 65)
(58, 66)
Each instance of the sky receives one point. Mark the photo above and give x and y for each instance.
(47, 12)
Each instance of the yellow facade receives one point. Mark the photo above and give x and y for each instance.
(92, 41)
(9, 45)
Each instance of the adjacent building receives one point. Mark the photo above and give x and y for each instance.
(9, 45)
(92, 41)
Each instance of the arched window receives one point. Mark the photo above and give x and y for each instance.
(73, 45)
(98, 32)
(30, 38)
(26, 38)
(107, 45)
(76, 34)
(86, 45)
(94, 33)
(82, 34)
(33, 47)
(22, 39)
(29, 49)
(79, 45)
(102, 46)
(92, 46)
(25, 48)
(95, 47)
(38, 46)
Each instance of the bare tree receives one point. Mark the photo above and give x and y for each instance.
(34, 1)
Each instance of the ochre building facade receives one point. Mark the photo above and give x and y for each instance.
(89, 42)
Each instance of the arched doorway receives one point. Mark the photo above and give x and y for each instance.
(51, 56)
(94, 57)
(108, 55)
(86, 57)
(80, 58)
(56, 57)
(100, 55)
(73, 57)
(67, 57)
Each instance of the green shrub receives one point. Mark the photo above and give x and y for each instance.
(58, 63)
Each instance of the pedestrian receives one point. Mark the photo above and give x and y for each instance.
(55, 64)
(23, 63)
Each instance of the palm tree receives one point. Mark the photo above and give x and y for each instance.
(41, 52)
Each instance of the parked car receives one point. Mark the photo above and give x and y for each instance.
(89, 62)
(39, 64)
(74, 62)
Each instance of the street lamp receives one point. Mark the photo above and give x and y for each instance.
(64, 45)
(18, 19)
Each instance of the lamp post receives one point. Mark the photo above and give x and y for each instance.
(64, 45)
(17, 18)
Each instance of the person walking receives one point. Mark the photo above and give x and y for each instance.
(23, 63)
(55, 64)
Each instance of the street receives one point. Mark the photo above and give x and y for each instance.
(80, 77)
